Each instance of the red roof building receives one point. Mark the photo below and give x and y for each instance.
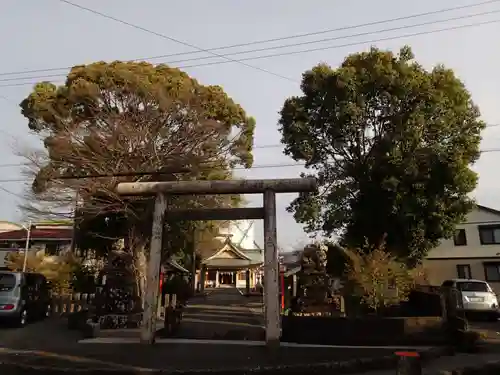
(55, 234)
(51, 240)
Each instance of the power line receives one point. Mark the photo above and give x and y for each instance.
(366, 33)
(190, 45)
(349, 44)
(268, 146)
(127, 174)
(284, 46)
(262, 166)
(477, 24)
(11, 193)
(295, 36)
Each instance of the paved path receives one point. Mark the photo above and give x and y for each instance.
(223, 314)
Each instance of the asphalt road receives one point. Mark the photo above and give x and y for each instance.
(491, 330)
(223, 314)
(49, 343)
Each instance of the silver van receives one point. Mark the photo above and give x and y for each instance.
(477, 296)
(23, 297)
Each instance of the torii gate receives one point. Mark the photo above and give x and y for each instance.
(268, 188)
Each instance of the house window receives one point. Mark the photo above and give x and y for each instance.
(492, 271)
(489, 235)
(460, 238)
(242, 276)
(463, 271)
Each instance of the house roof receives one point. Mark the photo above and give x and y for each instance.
(229, 247)
(37, 234)
(172, 265)
(10, 222)
(241, 257)
(488, 209)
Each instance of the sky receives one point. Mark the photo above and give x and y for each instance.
(48, 34)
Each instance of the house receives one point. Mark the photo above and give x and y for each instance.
(473, 252)
(47, 236)
(236, 262)
(6, 226)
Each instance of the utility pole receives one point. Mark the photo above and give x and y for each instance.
(27, 247)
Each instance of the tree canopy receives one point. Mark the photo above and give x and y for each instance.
(117, 117)
(391, 145)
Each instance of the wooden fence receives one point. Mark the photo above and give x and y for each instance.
(65, 304)
(68, 303)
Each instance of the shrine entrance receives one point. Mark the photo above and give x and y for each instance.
(268, 188)
(218, 278)
(227, 278)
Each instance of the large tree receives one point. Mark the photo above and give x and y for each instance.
(391, 144)
(110, 118)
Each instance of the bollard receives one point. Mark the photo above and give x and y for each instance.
(409, 363)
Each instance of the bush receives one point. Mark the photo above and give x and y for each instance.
(83, 279)
(378, 278)
(58, 270)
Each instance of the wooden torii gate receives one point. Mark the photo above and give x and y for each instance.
(268, 188)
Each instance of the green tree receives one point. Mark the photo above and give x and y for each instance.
(110, 118)
(391, 145)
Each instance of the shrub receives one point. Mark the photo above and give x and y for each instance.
(84, 278)
(378, 278)
(57, 269)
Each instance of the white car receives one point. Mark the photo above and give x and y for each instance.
(477, 296)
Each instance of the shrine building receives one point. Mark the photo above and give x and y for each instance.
(237, 263)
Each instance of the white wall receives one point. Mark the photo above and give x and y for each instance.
(447, 248)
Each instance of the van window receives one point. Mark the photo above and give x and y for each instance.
(473, 287)
(7, 282)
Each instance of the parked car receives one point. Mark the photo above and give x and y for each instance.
(23, 297)
(477, 296)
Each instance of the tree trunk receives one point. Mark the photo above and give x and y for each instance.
(140, 268)
(135, 243)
